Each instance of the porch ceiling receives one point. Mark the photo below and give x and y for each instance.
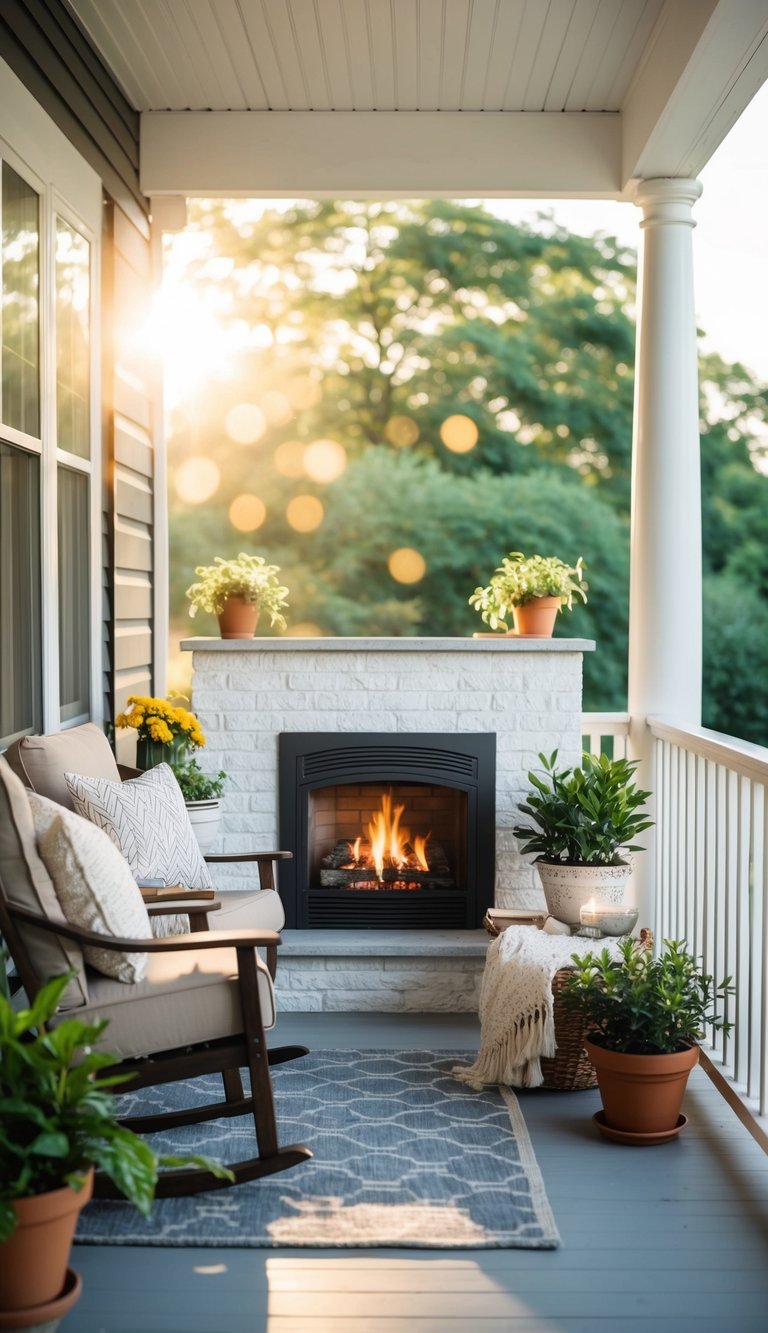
(428, 96)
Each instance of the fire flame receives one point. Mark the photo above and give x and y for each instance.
(390, 841)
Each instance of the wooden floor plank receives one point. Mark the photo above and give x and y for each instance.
(666, 1240)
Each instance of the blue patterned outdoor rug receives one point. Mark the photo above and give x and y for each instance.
(404, 1155)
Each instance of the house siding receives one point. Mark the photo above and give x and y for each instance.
(46, 48)
(130, 385)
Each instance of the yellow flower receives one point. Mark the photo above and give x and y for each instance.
(159, 720)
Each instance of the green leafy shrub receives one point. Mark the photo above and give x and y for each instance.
(586, 815)
(57, 1111)
(643, 1005)
(197, 785)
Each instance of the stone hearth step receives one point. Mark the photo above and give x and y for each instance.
(384, 971)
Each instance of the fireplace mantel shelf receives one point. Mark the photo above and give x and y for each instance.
(403, 645)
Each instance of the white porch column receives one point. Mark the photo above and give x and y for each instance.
(665, 567)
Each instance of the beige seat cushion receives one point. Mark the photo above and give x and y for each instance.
(42, 761)
(25, 882)
(184, 998)
(262, 910)
(93, 884)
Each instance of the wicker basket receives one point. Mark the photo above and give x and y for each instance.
(569, 1070)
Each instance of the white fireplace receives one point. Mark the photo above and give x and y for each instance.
(248, 692)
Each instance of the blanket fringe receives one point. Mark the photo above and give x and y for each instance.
(515, 1059)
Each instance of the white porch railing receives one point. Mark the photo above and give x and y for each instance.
(711, 878)
(599, 728)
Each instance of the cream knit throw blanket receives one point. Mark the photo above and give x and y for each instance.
(516, 1006)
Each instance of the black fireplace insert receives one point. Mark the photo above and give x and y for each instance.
(387, 831)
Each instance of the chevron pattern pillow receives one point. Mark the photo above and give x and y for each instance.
(147, 820)
(93, 884)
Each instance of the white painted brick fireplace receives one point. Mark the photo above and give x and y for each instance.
(246, 692)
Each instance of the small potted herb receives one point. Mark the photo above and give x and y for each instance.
(644, 1015)
(59, 1121)
(237, 591)
(583, 822)
(531, 590)
(202, 795)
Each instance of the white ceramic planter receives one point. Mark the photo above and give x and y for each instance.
(205, 816)
(569, 888)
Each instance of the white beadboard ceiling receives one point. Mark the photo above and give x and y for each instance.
(462, 98)
(371, 55)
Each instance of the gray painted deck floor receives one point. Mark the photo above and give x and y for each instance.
(654, 1240)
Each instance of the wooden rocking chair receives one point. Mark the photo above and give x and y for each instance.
(201, 1008)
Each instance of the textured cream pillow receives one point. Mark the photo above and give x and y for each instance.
(146, 818)
(93, 884)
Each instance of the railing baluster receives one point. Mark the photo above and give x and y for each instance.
(711, 873)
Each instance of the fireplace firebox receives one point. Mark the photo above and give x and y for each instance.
(387, 831)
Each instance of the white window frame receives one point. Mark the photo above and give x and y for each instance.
(36, 150)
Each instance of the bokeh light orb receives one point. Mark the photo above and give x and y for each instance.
(247, 512)
(245, 424)
(401, 431)
(459, 434)
(305, 513)
(324, 460)
(276, 407)
(289, 458)
(407, 565)
(304, 393)
(304, 629)
(196, 480)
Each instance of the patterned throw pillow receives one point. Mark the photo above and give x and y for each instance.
(93, 884)
(147, 820)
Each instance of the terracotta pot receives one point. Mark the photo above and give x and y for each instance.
(536, 619)
(34, 1258)
(238, 618)
(569, 888)
(642, 1094)
(45, 1318)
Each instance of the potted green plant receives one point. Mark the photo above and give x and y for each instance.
(530, 589)
(237, 591)
(58, 1119)
(202, 796)
(644, 1015)
(583, 823)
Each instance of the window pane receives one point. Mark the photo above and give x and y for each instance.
(21, 312)
(74, 620)
(20, 662)
(73, 338)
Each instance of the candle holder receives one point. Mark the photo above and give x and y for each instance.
(607, 920)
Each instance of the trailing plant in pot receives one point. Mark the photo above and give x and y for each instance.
(58, 1121)
(531, 590)
(237, 591)
(166, 731)
(202, 795)
(644, 1015)
(583, 823)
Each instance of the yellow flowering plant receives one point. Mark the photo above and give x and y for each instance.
(166, 732)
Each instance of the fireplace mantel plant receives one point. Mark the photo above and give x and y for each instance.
(248, 578)
(521, 580)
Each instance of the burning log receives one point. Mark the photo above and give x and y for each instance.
(341, 868)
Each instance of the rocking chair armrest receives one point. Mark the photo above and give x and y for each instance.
(248, 856)
(173, 905)
(201, 939)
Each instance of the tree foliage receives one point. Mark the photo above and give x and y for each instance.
(376, 325)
